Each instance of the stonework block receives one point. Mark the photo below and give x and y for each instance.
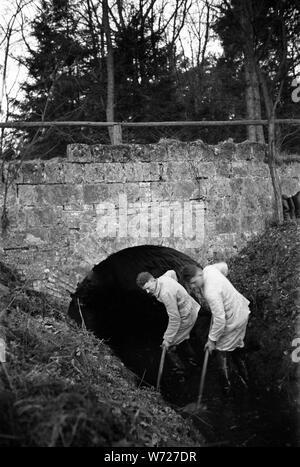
(134, 192)
(137, 153)
(59, 195)
(219, 188)
(79, 152)
(37, 236)
(72, 220)
(27, 195)
(232, 205)
(16, 218)
(114, 172)
(223, 168)
(36, 217)
(75, 173)
(137, 171)
(258, 169)
(177, 151)
(173, 190)
(250, 151)
(145, 191)
(93, 194)
(12, 172)
(121, 153)
(11, 195)
(237, 186)
(216, 207)
(177, 170)
(157, 153)
(55, 172)
(202, 170)
(95, 172)
(252, 222)
(225, 151)
(239, 169)
(33, 172)
(55, 195)
(101, 153)
(198, 150)
(226, 224)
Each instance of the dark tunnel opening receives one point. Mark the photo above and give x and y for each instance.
(131, 321)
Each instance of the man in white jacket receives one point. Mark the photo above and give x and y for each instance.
(182, 312)
(230, 313)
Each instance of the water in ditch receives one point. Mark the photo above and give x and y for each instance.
(243, 418)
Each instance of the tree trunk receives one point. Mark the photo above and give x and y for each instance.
(110, 71)
(272, 151)
(273, 169)
(253, 102)
(250, 103)
(260, 137)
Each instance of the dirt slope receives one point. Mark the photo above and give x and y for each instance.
(63, 387)
(267, 272)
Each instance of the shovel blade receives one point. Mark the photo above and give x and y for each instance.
(193, 408)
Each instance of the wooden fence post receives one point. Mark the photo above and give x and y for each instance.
(116, 134)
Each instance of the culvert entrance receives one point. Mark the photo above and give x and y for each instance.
(133, 323)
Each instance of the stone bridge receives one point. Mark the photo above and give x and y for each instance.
(69, 213)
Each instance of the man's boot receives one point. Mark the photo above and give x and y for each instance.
(186, 350)
(222, 359)
(239, 361)
(177, 366)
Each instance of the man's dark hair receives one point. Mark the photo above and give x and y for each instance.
(142, 278)
(188, 272)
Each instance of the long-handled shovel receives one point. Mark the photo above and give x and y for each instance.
(202, 380)
(161, 367)
(193, 407)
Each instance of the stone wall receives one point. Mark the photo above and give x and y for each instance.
(67, 214)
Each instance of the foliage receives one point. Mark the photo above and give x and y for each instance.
(153, 80)
(68, 76)
(275, 27)
(59, 76)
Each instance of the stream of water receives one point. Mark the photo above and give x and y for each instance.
(243, 418)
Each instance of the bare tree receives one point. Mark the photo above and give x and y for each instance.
(271, 100)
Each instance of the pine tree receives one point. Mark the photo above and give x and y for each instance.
(60, 77)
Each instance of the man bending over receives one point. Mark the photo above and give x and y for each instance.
(182, 312)
(230, 313)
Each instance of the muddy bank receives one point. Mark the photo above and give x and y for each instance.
(63, 387)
